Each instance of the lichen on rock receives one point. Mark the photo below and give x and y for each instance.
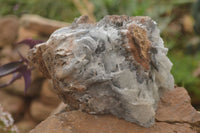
(116, 66)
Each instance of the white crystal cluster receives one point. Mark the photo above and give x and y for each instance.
(116, 66)
(7, 122)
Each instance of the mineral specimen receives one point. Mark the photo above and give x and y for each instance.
(116, 66)
(7, 122)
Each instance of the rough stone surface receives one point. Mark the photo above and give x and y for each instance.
(79, 122)
(175, 106)
(9, 30)
(117, 66)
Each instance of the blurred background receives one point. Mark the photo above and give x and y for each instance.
(178, 21)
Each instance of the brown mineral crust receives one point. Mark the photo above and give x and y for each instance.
(70, 99)
(140, 19)
(36, 58)
(139, 45)
(42, 68)
(118, 20)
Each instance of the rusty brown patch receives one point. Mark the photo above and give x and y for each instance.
(119, 20)
(115, 18)
(139, 45)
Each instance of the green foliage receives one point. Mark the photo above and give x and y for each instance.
(155, 9)
(127, 7)
(183, 67)
(65, 9)
(59, 10)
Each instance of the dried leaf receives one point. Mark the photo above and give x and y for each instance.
(26, 73)
(10, 68)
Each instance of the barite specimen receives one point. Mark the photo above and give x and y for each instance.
(116, 66)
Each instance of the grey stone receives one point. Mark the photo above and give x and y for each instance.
(117, 66)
